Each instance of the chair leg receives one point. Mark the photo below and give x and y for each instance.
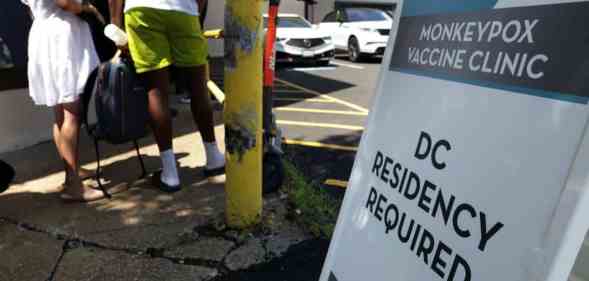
(143, 171)
(98, 170)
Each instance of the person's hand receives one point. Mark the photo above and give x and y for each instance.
(124, 50)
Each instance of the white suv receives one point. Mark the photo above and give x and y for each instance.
(359, 31)
(298, 41)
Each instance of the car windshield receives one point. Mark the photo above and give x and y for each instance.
(356, 15)
(289, 22)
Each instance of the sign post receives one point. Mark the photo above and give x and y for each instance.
(475, 161)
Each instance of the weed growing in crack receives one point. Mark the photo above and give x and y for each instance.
(309, 205)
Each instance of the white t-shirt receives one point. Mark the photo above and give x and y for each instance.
(187, 6)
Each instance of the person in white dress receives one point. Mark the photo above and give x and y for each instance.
(61, 56)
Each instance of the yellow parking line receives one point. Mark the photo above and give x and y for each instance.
(320, 100)
(336, 183)
(348, 104)
(320, 125)
(320, 145)
(323, 111)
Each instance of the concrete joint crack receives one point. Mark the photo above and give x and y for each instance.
(58, 262)
(71, 242)
(29, 227)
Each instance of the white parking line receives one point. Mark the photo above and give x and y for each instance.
(347, 65)
(318, 100)
(323, 111)
(343, 102)
(310, 69)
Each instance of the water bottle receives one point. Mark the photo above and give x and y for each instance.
(114, 33)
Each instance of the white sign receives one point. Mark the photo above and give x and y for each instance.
(475, 161)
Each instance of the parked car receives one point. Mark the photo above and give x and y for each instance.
(361, 32)
(298, 41)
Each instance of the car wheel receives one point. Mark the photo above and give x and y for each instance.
(354, 50)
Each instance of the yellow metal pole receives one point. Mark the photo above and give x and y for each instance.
(243, 112)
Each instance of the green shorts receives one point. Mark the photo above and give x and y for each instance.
(160, 38)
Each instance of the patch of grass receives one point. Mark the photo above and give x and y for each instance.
(312, 207)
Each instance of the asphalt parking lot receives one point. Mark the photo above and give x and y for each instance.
(322, 111)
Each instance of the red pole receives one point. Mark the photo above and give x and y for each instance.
(269, 64)
(273, 171)
(269, 50)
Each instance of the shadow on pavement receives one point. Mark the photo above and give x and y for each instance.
(302, 262)
(321, 164)
(368, 60)
(140, 217)
(351, 139)
(140, 203)
(316, 83)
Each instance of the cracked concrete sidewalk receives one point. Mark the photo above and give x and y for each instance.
(141, 233)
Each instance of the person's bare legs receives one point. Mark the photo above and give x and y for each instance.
(158, 82)
(202, 113)
(66, 135)
(57, 124)
(200, 103)
(69, 138)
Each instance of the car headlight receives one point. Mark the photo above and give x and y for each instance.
(278, 39)
(327, 39)
(368, 29)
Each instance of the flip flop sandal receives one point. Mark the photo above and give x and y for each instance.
(214, 172)
(115, 189)
(83, 198)
(85, 174)
(156, 180)
(216, 175)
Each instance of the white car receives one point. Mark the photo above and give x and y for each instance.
(359, 31)
(298, 41)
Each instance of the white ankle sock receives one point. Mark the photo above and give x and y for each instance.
(169, 170)
(215, 159)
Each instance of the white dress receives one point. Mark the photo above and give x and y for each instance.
(61, 54)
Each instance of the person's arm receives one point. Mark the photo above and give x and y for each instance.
(201, 5)
(77, 8)
(116, 12)
(202, 11)
(71, 6)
